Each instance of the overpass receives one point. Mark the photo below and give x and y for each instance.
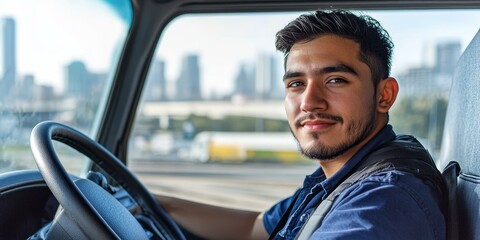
(215, 109)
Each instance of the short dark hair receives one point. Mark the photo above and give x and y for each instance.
(376, 46)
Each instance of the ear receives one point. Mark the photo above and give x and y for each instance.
(387, 91)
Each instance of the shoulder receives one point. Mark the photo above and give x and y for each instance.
(386, 204)
(391, 185)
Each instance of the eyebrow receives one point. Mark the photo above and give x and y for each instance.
(329, 69)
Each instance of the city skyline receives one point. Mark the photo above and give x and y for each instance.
(437, 78)
(173, 76)
(79, 39)
(78, 79)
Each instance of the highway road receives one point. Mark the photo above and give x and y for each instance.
(253, 186)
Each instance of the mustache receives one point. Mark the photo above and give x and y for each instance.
(312, 116)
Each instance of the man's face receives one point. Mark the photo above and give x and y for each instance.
(330, 97)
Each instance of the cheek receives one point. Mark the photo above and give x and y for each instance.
(352, 107)
(361, 107)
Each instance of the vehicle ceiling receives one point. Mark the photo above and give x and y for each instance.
(150, 18)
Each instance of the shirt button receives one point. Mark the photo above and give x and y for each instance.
(303, 218)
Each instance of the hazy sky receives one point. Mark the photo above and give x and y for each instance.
(51, 35)
(415, 35)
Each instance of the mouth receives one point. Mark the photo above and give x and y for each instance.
(317, 124)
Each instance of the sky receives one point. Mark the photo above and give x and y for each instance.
(53, 33)
(414, 34)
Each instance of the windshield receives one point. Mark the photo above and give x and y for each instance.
(57, 61)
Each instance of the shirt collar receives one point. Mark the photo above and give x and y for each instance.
(385, 135)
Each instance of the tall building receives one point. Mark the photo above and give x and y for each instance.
(244, 83)
(26, 90)
(188, 83)
(80, 81)
(76, 77)
(436, 79)
(9, 56)
(446, 57)
(417, 81)
(43, 92)
(156, 83)
(266, 77)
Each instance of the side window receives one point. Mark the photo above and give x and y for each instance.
(54, 66)
(211, 125)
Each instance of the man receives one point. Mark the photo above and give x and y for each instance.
(338, 94)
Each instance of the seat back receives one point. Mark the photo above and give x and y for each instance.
(461, 140)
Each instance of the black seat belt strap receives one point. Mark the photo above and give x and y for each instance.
(450, 174)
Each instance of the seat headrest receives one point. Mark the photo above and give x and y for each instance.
(461, 138)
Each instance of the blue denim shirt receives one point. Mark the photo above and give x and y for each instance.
(387, 205)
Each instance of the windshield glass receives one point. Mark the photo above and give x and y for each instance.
(57, 61)
(212, 122)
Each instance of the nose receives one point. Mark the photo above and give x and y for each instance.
(313, 98)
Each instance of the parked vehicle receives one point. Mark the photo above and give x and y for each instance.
(245, 146)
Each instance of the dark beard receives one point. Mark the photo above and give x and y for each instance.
(357, 132)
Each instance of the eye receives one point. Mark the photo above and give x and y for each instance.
(337, 80)
(294, 84)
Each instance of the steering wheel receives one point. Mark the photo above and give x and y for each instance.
(89, 211)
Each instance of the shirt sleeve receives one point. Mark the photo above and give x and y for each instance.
(389, 205)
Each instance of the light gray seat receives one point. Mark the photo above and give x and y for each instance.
(461, 141)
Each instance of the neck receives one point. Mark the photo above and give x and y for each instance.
(331, 166)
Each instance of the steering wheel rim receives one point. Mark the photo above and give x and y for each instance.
(70, 196)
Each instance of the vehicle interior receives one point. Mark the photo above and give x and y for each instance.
(81, 156)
